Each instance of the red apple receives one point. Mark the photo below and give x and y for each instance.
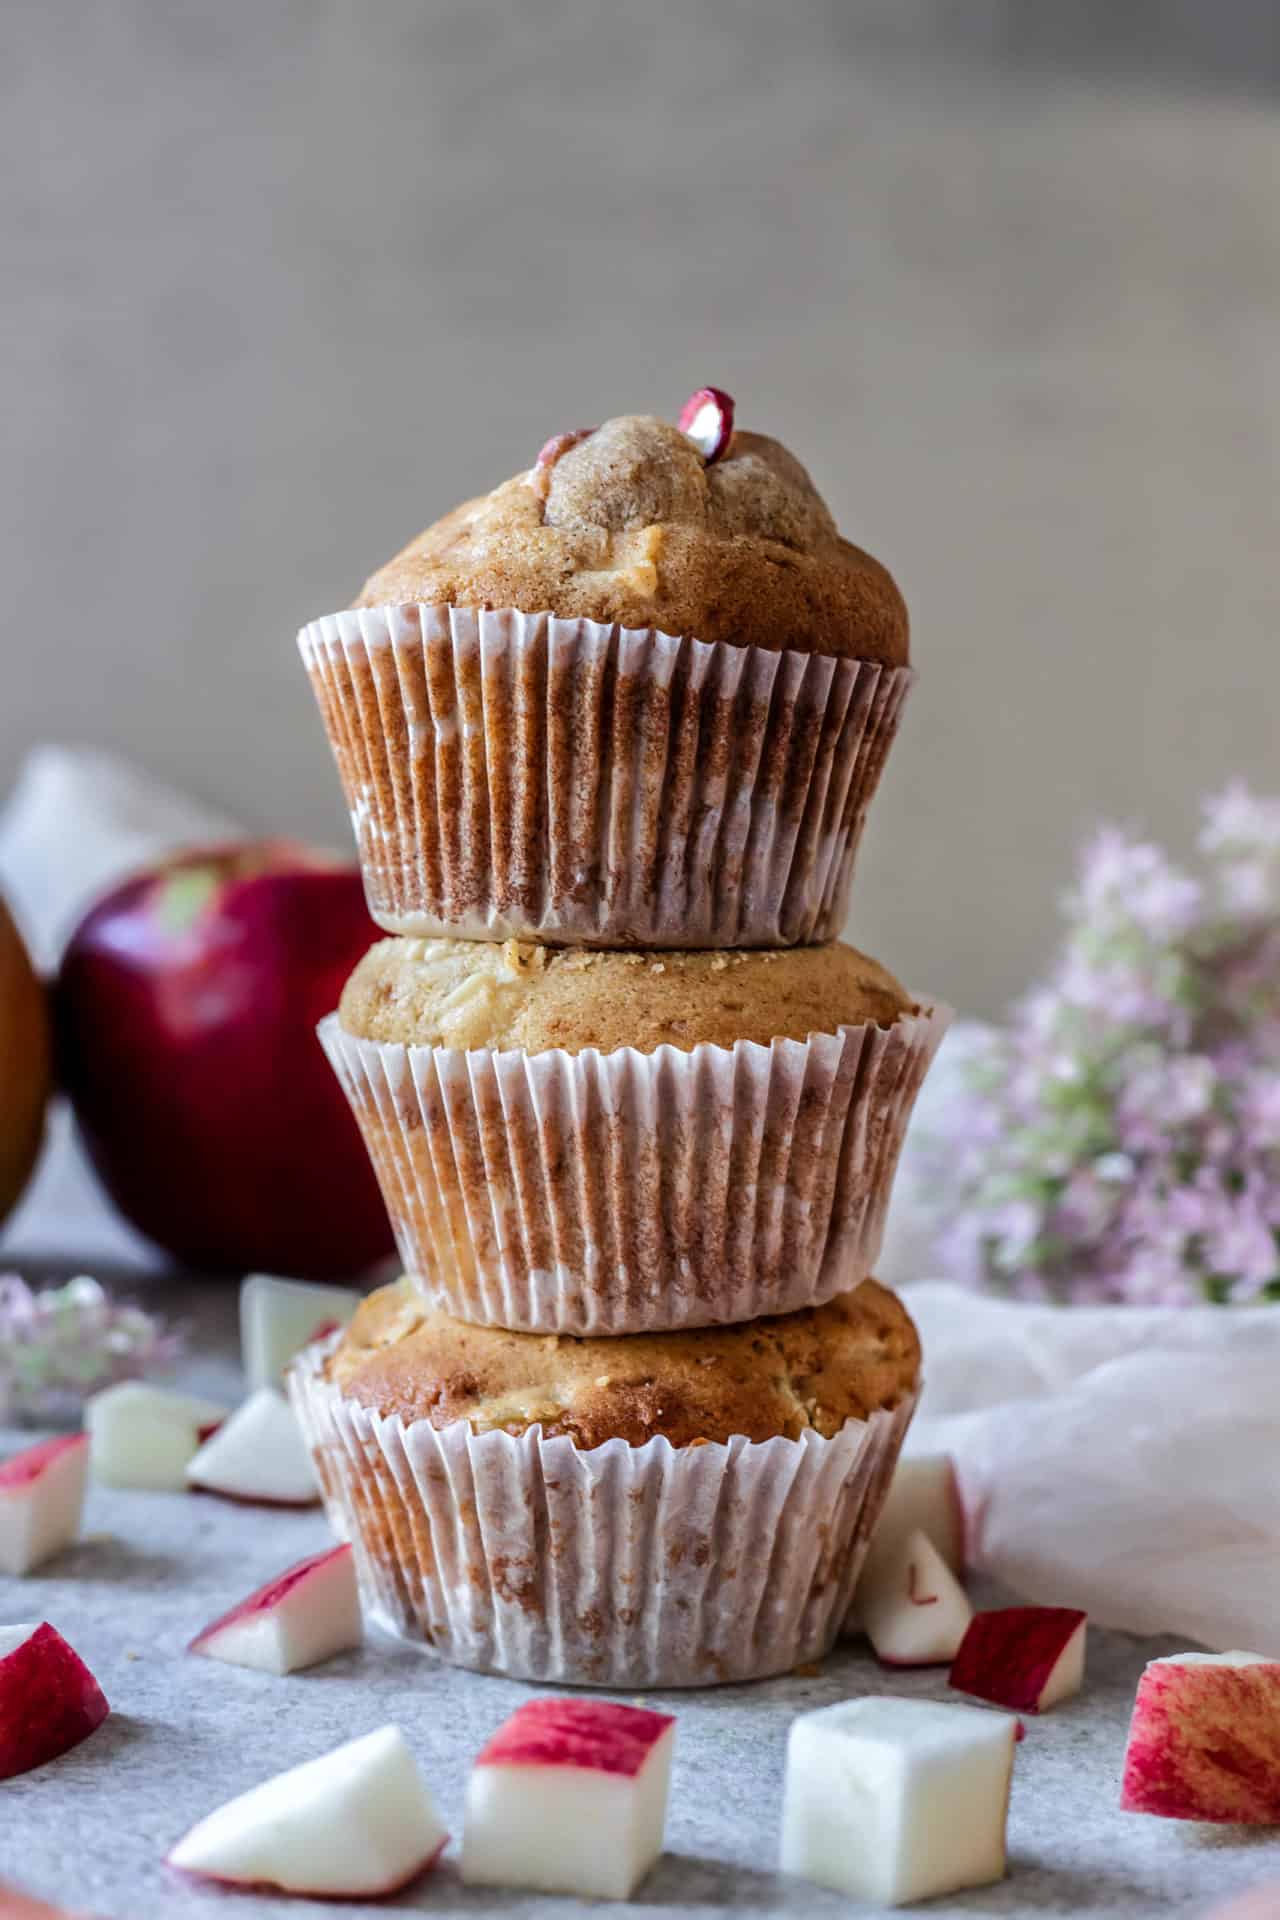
(303, 1616)
(24, 1063)
(49, 1700)
(186, 1010)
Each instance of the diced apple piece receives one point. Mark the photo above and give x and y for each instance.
(24, 1906)
(570, 1796)
(305, 1615)
(280, 1317)
(891, 1801)
(358, 1823)
(49, 1700)
(258, 1455)
(707, 418)
(1027, 1658)
(915, 1612)
(41, 1501)
(1204, 1740)
(144, 1437)
(923, 1497)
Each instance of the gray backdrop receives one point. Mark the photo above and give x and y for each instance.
(284, 281)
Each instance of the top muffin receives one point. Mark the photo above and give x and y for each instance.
(632, 524)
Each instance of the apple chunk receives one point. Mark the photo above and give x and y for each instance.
(307, 1614)
(891, 1801)
(49, 1700)
(1204, 1740)
(257, 1455)
(570, 1796)
(41, 1501)
(924, 1497)
(144, 1437)
(358, 1823)
(1027, 1658)
(914, 1611)
(279, 1317)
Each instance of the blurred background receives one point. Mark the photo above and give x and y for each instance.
(285, 281)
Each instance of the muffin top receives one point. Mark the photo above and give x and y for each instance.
(802, 1371)
(475, 993)
(632, 522)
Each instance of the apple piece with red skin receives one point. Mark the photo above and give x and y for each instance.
(1028, 1658)
(570, 1796)
(707, 418)
(305, 1615)
(914, 1611)
(257, 1456)
(357, 1823)
(49, 1700)
(25, 1906)
(186, 1009)
(42, 1500)
(1204, 1740)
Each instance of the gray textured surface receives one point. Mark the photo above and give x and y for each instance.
(186, 1734)
(284, 282)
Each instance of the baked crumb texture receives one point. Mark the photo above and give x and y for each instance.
(631, 527)
(777, 1378)
(612, 1192)
(527, 774)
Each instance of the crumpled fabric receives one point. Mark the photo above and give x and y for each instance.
(1124, 1460)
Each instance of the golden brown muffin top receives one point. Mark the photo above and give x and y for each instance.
(803, 1371)
(631, 524)
(476, 993)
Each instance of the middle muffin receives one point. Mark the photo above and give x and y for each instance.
(573, 1141)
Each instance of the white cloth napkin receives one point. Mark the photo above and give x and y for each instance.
(1126, 1460)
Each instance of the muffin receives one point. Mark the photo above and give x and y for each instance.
(574, 1141)
(636, 696)
(594, 1512)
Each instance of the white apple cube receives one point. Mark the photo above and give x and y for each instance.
(280, 1317)
(923, 1497)
(1204, 1740)
(41, 1501)
(1027, 1658)
(570, 1796)
(257, 1455)
(358, 1823)
(914, 1611)
(49, 1700)
(306, 1615)
(891, 1801)
(144, 1437)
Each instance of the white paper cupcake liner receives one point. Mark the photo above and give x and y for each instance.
(515, 774)
(614, 1566)
(635, 1193)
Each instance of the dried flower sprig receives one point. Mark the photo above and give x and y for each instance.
(61, 1344)
(1119, 1139)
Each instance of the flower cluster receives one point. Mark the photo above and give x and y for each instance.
(62, 1344)
(1119, 1140)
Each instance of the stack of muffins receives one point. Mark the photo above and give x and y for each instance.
(608, 736)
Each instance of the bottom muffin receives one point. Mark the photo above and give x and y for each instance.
(676, 1509)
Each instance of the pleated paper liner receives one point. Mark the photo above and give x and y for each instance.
(515, 774)
(614, 1566)
(635, 1193)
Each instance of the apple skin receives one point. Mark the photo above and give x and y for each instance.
(49, 1702)
(24, 1064)
(185, 1013)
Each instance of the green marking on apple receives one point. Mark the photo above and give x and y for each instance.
(182, 898)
